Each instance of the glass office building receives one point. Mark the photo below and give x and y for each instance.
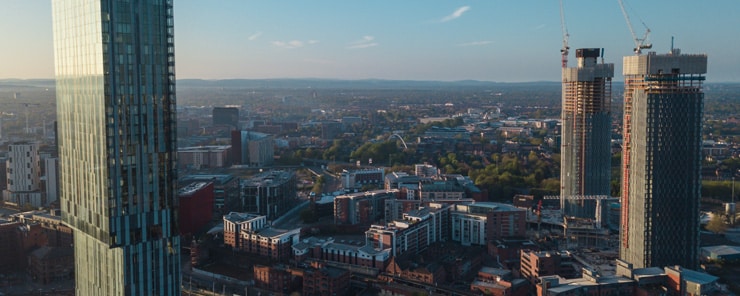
(114, 63)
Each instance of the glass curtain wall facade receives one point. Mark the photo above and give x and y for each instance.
(114, 64)
(661, 159)
(586, 142)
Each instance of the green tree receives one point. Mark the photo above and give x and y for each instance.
(717, 225)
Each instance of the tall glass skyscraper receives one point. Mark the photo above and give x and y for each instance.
(661, 159)
(585, 168)
(114, 63)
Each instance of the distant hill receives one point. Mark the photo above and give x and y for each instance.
(25, 83)
(346, 84)
(304, 83)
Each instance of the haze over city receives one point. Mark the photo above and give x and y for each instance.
(506, 41)
(234, 147)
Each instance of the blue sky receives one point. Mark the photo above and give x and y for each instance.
(493, 40)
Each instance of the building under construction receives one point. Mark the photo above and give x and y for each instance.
(586, 133)
(661, 159)
(580, 232)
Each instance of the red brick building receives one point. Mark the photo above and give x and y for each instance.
(324, 280)
(48, 264)
(498, 282)
(9, 246)
(535, 264)
(413, 270)
(196, 206)
(277, 279)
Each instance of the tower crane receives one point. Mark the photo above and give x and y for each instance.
(640, 43)
(564, 29)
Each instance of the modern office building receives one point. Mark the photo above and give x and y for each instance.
(252, 148)
(226, 116)
(115, 90)
(269, 193)
(661, 160)
(586, 132)
(364, 208)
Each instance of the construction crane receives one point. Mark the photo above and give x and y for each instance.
(640, 43)
(28, 129)
(564, 29)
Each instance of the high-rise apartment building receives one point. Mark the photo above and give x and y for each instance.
(586, 133)
(661, 159)
(115, 71)
(23, 176)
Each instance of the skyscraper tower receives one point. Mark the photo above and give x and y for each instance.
(586, 133)
(114, 64)
(661, 159)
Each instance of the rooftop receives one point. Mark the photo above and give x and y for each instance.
(218, 179)
(272, 232)
(269, 178)
(722, 250)
(236, 217)
(192, 188)
(203, 148)
(695, 276)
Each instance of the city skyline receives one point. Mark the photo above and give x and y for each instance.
(412, 40)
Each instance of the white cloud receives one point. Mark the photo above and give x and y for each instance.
(254, 36)
(456, 14)
(294, 43)
(364, 45)
(476, 43)
(539, 27)
(365, 42)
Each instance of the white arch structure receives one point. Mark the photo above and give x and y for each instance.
(399, 137)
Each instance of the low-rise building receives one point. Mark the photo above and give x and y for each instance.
(499, 282)
(270, 242)
(591, 283)
(251, 233)
(234, 223)
(356, 179)
(536, 264)
(200, 157)
(49, 264)
(477, 223)
(358, 254)
(723, 253)
(320, 279)
(408, 269)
